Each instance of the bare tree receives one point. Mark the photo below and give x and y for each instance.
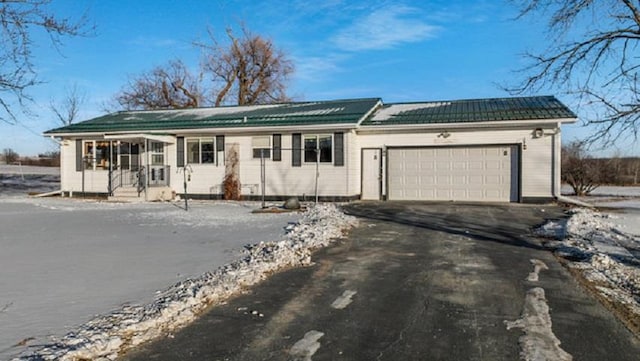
(583, 173)
(593, 55)
(166, 87)
(10, 155)
(250, 70)
(68, 108)
(18, 20)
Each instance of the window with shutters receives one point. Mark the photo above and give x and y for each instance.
(315, 145)
(200, 150)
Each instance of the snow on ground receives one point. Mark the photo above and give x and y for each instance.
(606, 256)
(602, 191)
(21, 180)
(107, 335)
(65, 261)
(28, 169)
(624, 202)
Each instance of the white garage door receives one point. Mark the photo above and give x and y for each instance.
(454, 173)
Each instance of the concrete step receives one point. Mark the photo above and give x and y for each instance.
(128, 194)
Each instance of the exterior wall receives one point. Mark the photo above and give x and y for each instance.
(539, 173)
(281, 178)
(536, 166)
(95, 181)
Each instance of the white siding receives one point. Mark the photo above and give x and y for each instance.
(281, 178)
(536, 160)
(536, 165)
(95, 181)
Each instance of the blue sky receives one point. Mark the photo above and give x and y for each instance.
(397, 50)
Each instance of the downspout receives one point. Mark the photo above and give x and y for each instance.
(147, 170)
(556, 163)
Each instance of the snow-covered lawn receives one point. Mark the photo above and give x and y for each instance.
(623, 202)
(66, 262)
(612, 191)
(28, 169)
(603, 254)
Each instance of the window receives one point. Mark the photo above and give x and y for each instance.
(261, 146)
(125, 151)
(200, 151)
(96, 154)
(88, 155)
(193, 151)
(207, 151)
(157, 153)
(314, 143)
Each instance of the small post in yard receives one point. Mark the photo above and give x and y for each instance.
(84, 165)
(262, 175)
(187, 178)
(317, 170)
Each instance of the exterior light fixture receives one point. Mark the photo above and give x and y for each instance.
(538, 133)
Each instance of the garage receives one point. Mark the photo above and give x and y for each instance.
(482, 173)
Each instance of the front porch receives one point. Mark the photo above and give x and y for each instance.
(133, 166)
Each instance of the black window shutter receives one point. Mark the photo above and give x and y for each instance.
(296, 144)
(220, 143)
(79, 162)
(277, 147)
(219, 148)
(180, 151)
(338, 141)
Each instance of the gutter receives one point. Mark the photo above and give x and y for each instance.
(226, 130)
(463, 125)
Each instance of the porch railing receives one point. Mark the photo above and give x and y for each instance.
(135, 178)
(158, 175)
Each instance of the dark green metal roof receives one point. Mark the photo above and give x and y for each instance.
(471, 111)
(348, 112)
(335, 112)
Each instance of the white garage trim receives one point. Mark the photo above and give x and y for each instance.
(487, 173)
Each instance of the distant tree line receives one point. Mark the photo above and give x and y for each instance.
(47, 159)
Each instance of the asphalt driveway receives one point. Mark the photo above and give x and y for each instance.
(415, 281)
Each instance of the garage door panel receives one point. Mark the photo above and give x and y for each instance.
(453, 173)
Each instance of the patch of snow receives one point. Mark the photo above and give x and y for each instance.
(607, 256)
(28, 169)
(614, 191)
(314, 112)
(344, 300)
(306, 347)
(395, 109)
(538, 266)
(538, 343)
(106, 336)
(203, 113)
(19, 185)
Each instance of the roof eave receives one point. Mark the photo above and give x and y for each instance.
(467, 125)
(226, 130)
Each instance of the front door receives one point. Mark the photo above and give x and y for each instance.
(371, 173)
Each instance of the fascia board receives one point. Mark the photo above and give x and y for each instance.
(370, 112)
(469, 125)
(339, 126)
